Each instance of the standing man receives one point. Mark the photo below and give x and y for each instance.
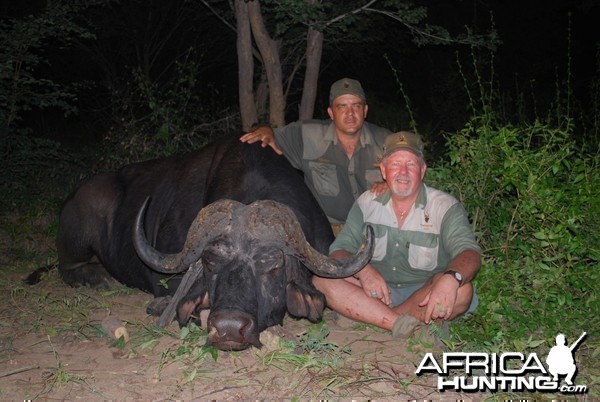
(339, 157)
(425, 251)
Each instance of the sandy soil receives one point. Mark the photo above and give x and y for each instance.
(53, 348)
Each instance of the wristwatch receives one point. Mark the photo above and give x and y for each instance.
(456, 275)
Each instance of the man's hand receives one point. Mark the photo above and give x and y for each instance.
(373, 284)
(264, 134)
(379, 187)
(440, 301)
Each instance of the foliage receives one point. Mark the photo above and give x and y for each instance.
(413, 18)
(351, 21)
(532, 193)
(57, 376)
(314, 340)
(531, 187)
(24, 68)
(192, 351)
(22, 86)
(311, 349)
(153, 120)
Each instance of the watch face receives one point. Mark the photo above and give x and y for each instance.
(456, 275)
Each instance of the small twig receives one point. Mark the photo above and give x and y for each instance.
(17, 371)
(356, 11)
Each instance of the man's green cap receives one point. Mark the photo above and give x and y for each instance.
(346, 86)
(403, 140)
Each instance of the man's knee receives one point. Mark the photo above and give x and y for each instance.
(466, 300)
(465, 293)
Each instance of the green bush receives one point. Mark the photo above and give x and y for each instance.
(23, 85)
(532, 193)
(152, 119)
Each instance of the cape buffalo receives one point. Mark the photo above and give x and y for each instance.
(254, 258)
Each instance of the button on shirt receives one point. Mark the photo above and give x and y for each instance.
(335, 180)
(435, 231)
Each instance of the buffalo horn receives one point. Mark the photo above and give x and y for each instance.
(210, 222)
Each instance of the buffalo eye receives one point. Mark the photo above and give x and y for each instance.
(210, 260)
(216, 254)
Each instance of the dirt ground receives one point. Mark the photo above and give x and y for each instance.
(52, 347)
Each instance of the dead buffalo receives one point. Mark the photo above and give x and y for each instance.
(252, 262)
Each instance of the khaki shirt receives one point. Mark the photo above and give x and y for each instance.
(435, 231)
(335, 180)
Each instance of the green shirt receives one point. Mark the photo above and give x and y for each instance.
(335, 180)
(435, 231)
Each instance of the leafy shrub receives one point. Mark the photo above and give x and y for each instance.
(152, 120)
(533, 197)
(22, 85)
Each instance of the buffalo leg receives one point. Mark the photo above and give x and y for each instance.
(91, 274)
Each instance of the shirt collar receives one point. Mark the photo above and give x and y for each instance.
(366, 135)
(421, 200)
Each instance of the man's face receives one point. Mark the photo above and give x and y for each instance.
(403, 171)
(348, 112)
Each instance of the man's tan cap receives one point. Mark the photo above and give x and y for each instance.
(403, 140)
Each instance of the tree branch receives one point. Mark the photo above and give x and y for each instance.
(356, 11)
(219, 16)
(420, 32)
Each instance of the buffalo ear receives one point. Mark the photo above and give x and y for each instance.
(189, 308)
(305, 302)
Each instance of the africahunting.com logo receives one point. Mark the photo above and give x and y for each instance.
(511, 371)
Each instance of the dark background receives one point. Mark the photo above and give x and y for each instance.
(544, 44)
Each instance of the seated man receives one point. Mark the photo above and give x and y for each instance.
(425, 251)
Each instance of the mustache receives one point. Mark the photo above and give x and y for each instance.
(402, 178)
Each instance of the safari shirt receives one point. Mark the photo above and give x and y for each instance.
(335, 180)
(435, 231)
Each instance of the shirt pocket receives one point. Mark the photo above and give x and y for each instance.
(423, 253)
(324, 177)
(380, 249)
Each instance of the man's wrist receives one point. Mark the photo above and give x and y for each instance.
(258, 125)
(456, 275)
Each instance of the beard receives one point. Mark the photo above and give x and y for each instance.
(402, 186)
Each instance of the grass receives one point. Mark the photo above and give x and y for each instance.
(56, 376)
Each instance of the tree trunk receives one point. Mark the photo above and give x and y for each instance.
(314, 50)
(270, 55)
(245, 66)
(262, 97)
